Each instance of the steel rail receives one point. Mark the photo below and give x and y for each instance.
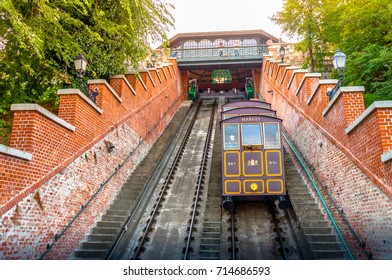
(233, 255)
(277, 229)
(203, 167)
(169, 176)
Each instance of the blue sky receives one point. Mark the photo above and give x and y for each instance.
(224, 15)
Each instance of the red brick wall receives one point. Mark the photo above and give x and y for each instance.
(39, 197)
(346, 158)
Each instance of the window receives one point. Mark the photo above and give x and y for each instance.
(251, 134)
(231, 136)
(271, 136)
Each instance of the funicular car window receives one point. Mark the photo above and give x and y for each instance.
(228, 116)
(228, 108)
(251, 134)
(271, 136)
(231, 136)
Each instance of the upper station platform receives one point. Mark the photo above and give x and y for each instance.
(217, 50)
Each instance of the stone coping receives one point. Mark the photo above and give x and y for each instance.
(42, 111)
(70, 91)
(15, 152)
(321, 82)
(102, 81)
(338, 93)
(367, 112)
(126, 82)
(307, 75)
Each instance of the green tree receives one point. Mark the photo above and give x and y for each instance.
(303, 19)
(365, 35)
(40, 38)
(359, 28)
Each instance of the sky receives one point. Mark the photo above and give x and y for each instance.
(224, 15)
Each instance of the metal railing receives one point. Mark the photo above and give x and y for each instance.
(220, 53)
(306, 167)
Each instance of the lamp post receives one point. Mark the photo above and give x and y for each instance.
(153, 59)
(80, 67)
(339, 63)
(282, 52)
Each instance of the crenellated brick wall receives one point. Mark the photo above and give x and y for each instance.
(55, 163)
(348, 146)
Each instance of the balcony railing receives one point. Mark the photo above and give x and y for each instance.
(219, 53)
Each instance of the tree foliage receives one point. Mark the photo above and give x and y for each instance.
(359, 28)
(303, 19)
(40, 39)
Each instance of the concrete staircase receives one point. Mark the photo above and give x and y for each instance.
(102, 235)
(319, 232)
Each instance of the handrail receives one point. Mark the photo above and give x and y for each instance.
(102, 185)
(359, 240)
(320, 196)
(220, 52)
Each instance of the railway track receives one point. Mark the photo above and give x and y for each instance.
(162, 232)
(184, 218)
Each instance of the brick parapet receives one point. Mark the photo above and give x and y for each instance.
(347, 147)
(51, 146)
(306, 92)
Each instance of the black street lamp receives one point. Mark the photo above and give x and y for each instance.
(153, 59)
(282, 52)
(80, 67)
(339, 63)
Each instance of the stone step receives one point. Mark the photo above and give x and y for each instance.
(304, 216)
(209, 258)
(307, 211)
(315, 223)
(301, 198)
(210, 247)
(117, 212)
(101, 230)
(329, 254)
(297, 187)
(210, 235)
(325, 246)
(305, 206)
(95, 245)
(212, 224)
(321, 237)
(90, 254)
(211, 254)
(210, 241)
(316, 230)
(107, 224)
(100, 237)
(113, 218)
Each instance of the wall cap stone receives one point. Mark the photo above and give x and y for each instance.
(281, 65)
(386, 156)
(151, 79)
(296, 72)
(367, 112)
(15, 152)
(338, 93)
(42, 111)
(126, 82)
(287, 69)
(321, 82)
(307, 75)
(103, 81)
(69, 91)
